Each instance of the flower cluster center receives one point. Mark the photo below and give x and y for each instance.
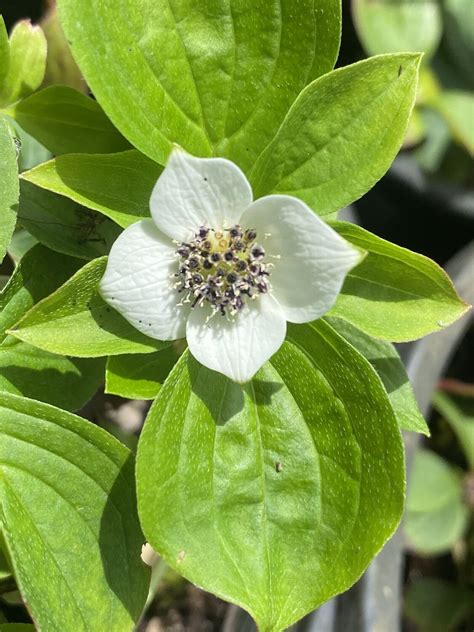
(223, 268)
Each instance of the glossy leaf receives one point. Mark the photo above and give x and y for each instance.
(63, 225)
(384, 358)
(395, 294)
(462, 425)
(25, 370)
(436, 517)
(214, 77)
(27, 62)
(66, 121)
(458, 109)
(117, 185)
(57, 469)
(342, 133)
(138, 376)
(385, 26)
(274, 495)
(74, 320)
(9, 190)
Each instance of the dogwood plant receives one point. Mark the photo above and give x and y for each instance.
(223, 270)
(270, 467)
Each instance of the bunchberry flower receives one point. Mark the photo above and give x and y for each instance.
(222, 270)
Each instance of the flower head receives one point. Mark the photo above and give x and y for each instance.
(222, 270)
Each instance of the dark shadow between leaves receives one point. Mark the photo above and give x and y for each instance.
(121, 540)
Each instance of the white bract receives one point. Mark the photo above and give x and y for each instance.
(222, 270)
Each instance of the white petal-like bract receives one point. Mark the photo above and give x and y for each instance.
(137, 282)
(237, 349)
(312, 259)
(193, 192)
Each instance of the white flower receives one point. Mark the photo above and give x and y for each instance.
(222, 270)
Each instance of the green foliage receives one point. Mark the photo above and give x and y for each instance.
(9, 189)
(341, 134)
(117, 185)
(385, 26)
(462, 425)
(436, 516)
(63, 225)
(67, 121)
(27, 63)
(437, 606)
(25, 370)
(57, 469)
(458, 109)
(61, 69)
(384, 358)
(4, 51)
(75, 320)
(281, 467)
(214, 77)
(138, 376)
(395, 294)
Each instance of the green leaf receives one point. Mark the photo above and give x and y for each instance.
(437, 606)
(68, 504)
(63, 225)
(9, 190)
(4, 51)
(395, 294)
(76, 321)
(20, 244)
(215, 77)
(25, 370)
(60, 65)
(462, 425)
(459, 36)
(138, 376)
(31, 152)
(342, 133)
(117, 185)
(384, 358)
(458, 109)
(385, 26)
(66, 121)
(27, 63)
(436, 517)
(274, 495)
(16, 627)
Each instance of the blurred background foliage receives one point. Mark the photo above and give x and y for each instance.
(426, 203)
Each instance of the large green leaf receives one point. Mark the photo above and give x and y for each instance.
(66, 121)
(342, 133)
(385, 26)
(117, 185)
(138, 376)
(274, 495)
(395, 294)
(32, 372)
(64, 225)
(213, 76)
(68, 513)
(384, 358)
(436, 517)
(76, 321)
(27, 63)
(9, 190)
